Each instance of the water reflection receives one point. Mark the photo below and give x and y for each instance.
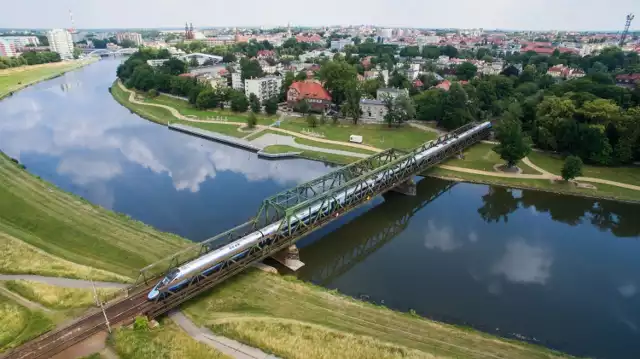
(618, 217)
(71, 132)
(524, 263)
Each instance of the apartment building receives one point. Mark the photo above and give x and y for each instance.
(60, 42)
(132, 36)
(265, 87)
(7, 48)
(22, 41)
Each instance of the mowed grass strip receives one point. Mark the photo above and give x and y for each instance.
(259, 294)
(312, 155)
(68, 227)
(19, 324)
(553, 163)
(18, 257)
(14, 79)
(166, 341)
(55, 297)
(297, 340)
(379, 136)
(151, 113)
(481, 156)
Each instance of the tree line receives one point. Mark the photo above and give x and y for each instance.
(29, 58)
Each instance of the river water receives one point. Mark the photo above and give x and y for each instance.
(557, 270)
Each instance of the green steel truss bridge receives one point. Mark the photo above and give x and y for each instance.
(368, 177)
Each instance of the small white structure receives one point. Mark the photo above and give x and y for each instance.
(355, 138)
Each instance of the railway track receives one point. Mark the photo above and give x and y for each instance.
(122, 311)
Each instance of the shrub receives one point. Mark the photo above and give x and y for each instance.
(153, 93)
(141, 324)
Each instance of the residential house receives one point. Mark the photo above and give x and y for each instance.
(382, 93)
(373, 110)
(628, 79)
(264, 54)
(561, 71)
(311, 91)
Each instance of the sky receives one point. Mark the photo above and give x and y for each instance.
(576, 15)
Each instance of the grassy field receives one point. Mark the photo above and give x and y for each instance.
(14, 79)
(18, 257)
(188, 110)
(229, 130)
(151, 113)
(277, 301)
(295, 340)
(19, 324)
(166, 341)
(380, 136)
(482, 157)
(601, 191)
(307, 142)
(554, 163)
(312, 155)
(55, 297)
(65, 226)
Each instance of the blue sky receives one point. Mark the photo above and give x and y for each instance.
(510, 14)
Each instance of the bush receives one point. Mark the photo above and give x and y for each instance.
(572, 168)
(252, 120)
(141, 324)
(153, 93)
(312, 121)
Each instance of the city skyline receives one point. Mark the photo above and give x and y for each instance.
(571, 15)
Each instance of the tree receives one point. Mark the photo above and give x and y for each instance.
(286, 83)
(572, 168)
(193, 62)
(510, 71)
(254, 102)
(600, 111)
(399, 80)
(466, 71)
(312, 121)
(455, 108)
(207, 99)
(513, 144)
(337, 75)
(239, 102)
(303, 107)
(76, 52)
(251, 120)
(429, 105)
(250, 69)
(126, 43)
(271, 106)
(174, 66)
(351, 106)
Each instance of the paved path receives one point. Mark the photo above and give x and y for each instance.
(270, 139)
(425, 128)
(24, 301)
(178, 115)
(62, 282)
(225, 345)
(493, 174)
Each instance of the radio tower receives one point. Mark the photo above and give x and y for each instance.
(626, 29)
(73, 25)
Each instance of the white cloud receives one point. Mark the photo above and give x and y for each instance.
(440, 238)
(86, 170)
(628, 290)
(473, 237)
(524, 263)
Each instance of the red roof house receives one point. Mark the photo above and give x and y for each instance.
(312, 91)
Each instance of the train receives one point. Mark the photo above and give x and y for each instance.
(212, 262)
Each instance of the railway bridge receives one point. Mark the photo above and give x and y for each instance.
(291, 214)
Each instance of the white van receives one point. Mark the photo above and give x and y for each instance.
(355, 138)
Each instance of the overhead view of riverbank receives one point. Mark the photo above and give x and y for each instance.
(516, 277)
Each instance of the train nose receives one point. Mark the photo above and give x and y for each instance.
(153, 294)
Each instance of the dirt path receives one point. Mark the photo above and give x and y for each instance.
(62, 282)
(493, 174)
(425, 128)
(24, 301)
(227, 346)
(179, 116)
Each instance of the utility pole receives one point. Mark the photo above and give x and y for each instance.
(99, 302)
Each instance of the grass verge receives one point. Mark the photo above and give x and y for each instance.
(68, 227)
(55, 297)
(19, 324)
(257, 295)
(312, 155)
(553, 163)
(601, 191)
(166, 341)
(482, 157)
(15, 79)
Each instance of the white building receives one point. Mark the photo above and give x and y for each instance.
(386, 33)
(156, 63)
(236, 81)
(60, 42)
(22, 41)
(265, 87)
(373, 110)
(340, 44)
(7, 48)
(135, 37)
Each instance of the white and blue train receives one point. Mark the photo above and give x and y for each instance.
(212, 261)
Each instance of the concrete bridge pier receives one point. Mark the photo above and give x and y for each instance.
(407, 187)
(289, 257)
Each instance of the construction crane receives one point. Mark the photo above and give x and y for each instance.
(626, 29)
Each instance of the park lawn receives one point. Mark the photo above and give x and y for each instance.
(309, 142)
(14, 79)
(185, 108)
(553, 163)
(379, 136)
(282, 304)
(481, 156)
(68, 227)
(312, 155)
(151, 113)
(19, 324)
(55, 297)
(601, 191)
(166, 341)
(229, 130)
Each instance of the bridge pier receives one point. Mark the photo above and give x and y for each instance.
(407, 187)
(289, 257)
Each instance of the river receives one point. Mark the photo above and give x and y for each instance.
(556, 270)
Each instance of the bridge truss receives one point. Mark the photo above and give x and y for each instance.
(286, 207)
